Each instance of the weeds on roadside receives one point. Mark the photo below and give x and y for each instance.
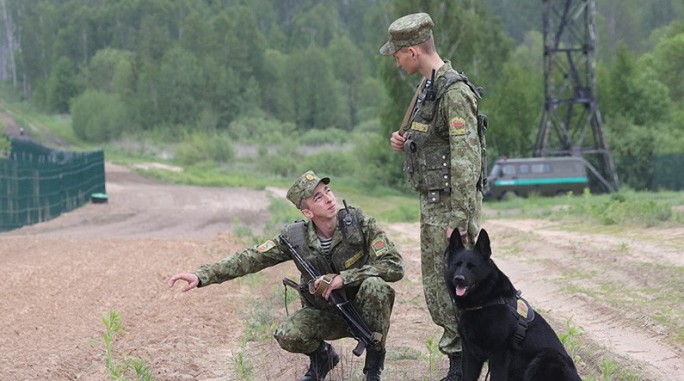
(260, 319)
(403, 353)
(612, 370)
(282, 213)
(118, 367)
(623, 208)
(431, 357)
(570, 339)
(243, 368)
(606, 370)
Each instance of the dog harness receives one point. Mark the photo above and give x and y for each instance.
(520, 308)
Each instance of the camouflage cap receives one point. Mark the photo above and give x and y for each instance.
(407, 31)
(304, 187)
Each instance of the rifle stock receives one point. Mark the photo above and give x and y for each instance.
(344, 307)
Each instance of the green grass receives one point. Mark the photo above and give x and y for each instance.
(242, 365)
(385, 205)
(626, 207)
(209, 174)
(431, 357)
(45, 128)
(121, 367)
(403, 353)
(593, 363)
(653, 287)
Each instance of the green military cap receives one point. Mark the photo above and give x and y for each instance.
(407, 31)
(304, 187)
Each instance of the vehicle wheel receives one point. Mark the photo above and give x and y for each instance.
(508, 195)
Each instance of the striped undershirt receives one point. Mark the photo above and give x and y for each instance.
(325, 244)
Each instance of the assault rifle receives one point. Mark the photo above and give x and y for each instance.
(344, 307)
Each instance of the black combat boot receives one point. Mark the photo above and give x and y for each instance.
(375, 363)
(323, 360)
(455, 373)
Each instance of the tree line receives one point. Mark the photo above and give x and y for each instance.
(300, 66)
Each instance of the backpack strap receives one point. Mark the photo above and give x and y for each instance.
(445, 81)
(411, 107)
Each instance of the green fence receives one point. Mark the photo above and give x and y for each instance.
(38, 183)
(668, 172)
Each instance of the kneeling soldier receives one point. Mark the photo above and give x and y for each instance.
(357, 258)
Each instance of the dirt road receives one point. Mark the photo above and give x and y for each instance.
(60, 277)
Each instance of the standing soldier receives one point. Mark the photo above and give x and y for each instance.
(357, 259)
(443, 145)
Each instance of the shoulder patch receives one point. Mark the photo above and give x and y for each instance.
(379, 246)
(266, 246)
(457, 126)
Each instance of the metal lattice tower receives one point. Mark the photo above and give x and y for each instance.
(571, 122)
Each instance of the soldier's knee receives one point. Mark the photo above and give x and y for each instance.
(292, 343)
(376, 288)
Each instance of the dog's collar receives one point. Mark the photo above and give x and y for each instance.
(499, 300)
(522, 308)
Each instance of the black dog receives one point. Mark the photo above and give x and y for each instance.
(496, 324)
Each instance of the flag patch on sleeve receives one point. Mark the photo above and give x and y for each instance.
(379, 246)
(457, 126)
(266, 246)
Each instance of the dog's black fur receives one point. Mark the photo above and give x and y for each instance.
(487, 305)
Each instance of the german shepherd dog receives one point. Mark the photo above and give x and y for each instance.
(496, 324)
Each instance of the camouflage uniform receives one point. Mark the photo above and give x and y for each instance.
(366, 283)
(444, 165)
(458, 204)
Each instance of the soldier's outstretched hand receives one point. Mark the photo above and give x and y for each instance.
(191, 278)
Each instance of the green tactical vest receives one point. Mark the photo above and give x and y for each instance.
(352, 252)
(427, 155)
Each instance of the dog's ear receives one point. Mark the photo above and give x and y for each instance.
(483, 245)
(455, 242)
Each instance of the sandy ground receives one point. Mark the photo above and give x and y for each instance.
(60, 277)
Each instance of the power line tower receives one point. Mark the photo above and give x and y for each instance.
(571, 123)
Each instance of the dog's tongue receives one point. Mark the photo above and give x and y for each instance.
(461, 290)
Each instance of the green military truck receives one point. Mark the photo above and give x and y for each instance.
(543, 176)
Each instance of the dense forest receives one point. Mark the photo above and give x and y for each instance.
(290, 73)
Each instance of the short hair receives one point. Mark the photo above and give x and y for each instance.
(427, 46)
